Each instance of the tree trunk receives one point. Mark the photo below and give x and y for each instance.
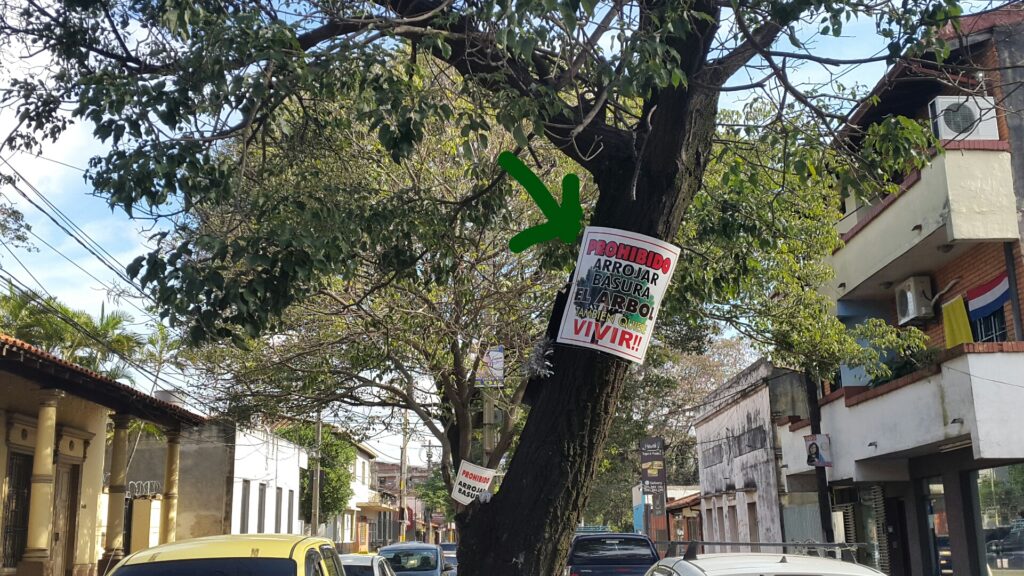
(526, 528)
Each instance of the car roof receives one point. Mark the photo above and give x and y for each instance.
(769, 564)
(411, 546)
(601, 535)
(357, 559)
(229, 546)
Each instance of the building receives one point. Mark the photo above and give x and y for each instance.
(684, 517)
(645, 521)
(927, 464)
(233, 480)
(54, 418)
(370, 520)
(740, 476)
(421, 522)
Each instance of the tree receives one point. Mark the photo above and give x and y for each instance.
(105, 344)
(337, 456)
(629, 91)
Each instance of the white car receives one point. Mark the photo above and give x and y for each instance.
(366, 565)
(739, 564)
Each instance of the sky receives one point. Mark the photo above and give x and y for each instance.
(58, 176)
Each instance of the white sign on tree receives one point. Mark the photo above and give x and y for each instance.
(620, 280)
(471, 481)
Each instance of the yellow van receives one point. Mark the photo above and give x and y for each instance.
(242, 555)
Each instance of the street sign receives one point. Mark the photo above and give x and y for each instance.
(652, 472)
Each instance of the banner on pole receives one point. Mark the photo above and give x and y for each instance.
(492, 365)
(470, 482)
(819, 450)
(619, 283)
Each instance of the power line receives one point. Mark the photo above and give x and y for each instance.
(64, 222)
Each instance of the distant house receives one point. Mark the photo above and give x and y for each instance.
(369, 521)
(739, 459)
(54, 417)
(233, 480)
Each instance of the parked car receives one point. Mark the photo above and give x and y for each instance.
(450, 550)
(366, 565)
(417, 559)
(618, 554)
(249, 554)
(741, 564)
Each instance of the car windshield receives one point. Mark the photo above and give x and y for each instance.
(422, 560)
(611, 551)
(212, 567)
(449, 546)
(358, 570)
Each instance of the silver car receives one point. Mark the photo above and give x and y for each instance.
(366, 565)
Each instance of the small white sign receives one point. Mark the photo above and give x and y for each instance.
(471, 481)
(620, 280)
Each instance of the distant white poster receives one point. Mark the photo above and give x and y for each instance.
(620, 280)
(492, 365)
(471, 481)
(819, 450)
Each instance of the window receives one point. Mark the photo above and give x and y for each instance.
(15, 519)
(261, 510)
(364, 472)
(212, 567)
(1000, 518)
(332, 561)
(415, 560)
(991, 328)
(244, 522)
(313, 564)
(279, 501)
(617, 550)
(291, 511)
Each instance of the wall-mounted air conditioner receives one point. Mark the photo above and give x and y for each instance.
(914, 300)
(964, 118)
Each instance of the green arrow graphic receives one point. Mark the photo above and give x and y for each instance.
(563, 221)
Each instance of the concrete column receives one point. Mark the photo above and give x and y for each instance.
(40, 508)
(169, 508)
(114, 545)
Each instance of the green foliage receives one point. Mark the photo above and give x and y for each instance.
(436, 495)
(13, 228)
(758, 236)
(337, 457)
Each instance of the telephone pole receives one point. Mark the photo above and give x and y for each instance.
(403, 472)
(315, 516)
(824, 500)
(430, 470)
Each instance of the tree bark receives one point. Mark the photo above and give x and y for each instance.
(527, 526)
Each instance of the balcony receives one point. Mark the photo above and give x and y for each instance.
(962, 198)
(377, 502)
(964, 401)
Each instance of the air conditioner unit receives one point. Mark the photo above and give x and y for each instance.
(914, 300)
(964, 118)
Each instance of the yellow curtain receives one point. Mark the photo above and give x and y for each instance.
(954, 320)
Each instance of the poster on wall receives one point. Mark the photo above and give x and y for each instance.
(819, 450)
(470, 482)
(619, 283)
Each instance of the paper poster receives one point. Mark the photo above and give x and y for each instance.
(620, 280)
(471, 481)
(492, 365)
(819, 450)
